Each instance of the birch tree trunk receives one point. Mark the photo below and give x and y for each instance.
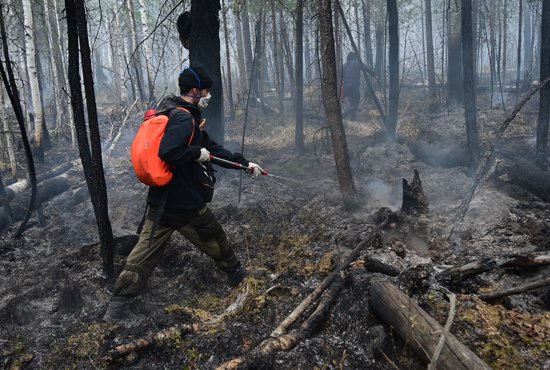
(33, 81)
(299, 96)
(147, 49)
(455, 87)
(379, 35)
(247, 40)
(527, 48)
(541, 149)
(469, 81)
(331, 102)
(118, 56)
(279, 74)
(229, 90)
(134, 53)
(432, 92)
(8, 135)
(520, 22)
(240, 53)
(367, 14)
(504, 39)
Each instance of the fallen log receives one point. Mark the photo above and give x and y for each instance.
(516, 290)
(21, 186)
(525, 175)
(418, 329)
(47, 189)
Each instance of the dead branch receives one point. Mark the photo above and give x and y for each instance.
(122, 125)
(21, 186)
(155, 339)
(528, 261)
(288, 341)
(485, 165)
(419, 329)
(470, 269)
(516, 290)
(294, 315)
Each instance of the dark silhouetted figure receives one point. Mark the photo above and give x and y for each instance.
(351, 78)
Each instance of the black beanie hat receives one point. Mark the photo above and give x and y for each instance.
(194, 76)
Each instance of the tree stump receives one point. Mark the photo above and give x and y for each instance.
(414, 200)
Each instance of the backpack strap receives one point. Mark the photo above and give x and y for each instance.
(164, 198)
(192, 120)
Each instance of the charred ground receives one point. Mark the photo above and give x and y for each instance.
(290, 234)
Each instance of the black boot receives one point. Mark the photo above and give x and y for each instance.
(118, 312)
(118, 309)
(235, 276)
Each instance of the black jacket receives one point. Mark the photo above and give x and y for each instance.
(184, 191)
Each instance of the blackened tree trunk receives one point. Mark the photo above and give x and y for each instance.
(90, 152)
(544, 102)
(393, 55)
(13, 93)
(455, 92)
(204, 48)
(331, 104)
(432, 92)
(299, 96)
(469, 81)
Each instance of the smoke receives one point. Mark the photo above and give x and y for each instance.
(383, 194)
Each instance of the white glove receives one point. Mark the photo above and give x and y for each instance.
(204, 156)
(254, 170)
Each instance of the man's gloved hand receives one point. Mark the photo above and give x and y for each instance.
(204, 156)
(254, 170)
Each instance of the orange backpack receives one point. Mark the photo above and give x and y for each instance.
(149, 168)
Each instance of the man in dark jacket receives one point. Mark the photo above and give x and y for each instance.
(182, 203)
(351, 78)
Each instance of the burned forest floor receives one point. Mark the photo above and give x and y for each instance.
(291, 231)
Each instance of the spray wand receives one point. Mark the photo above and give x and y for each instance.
(238, 166)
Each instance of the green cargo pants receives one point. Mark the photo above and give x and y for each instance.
(199, 226)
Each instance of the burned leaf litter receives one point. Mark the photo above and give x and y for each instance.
(290, 235)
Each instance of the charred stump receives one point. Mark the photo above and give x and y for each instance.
(414, 200)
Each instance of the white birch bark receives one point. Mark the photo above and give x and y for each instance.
(8, 135)
(120, 51)
(147, 49)
(22, 84)
(33, 74)
(54, 66)
(135, 60)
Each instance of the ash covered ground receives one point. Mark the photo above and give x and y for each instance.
(290, 233)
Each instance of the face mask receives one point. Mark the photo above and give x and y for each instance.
(203, 102)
